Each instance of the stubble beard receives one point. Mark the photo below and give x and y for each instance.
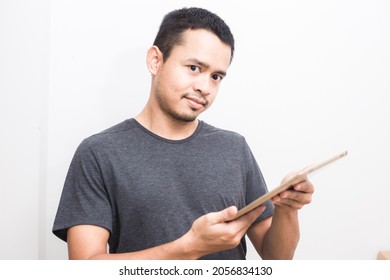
(175, 115)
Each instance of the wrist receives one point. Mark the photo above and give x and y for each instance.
(187, 248)
(286, 212)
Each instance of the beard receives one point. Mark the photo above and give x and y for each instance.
(182, 117)
(188, 116)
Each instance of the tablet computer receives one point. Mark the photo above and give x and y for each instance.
(289, 183)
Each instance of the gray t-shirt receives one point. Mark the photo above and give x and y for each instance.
(147, 190)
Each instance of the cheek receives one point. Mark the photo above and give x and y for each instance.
(175, 83)
(166, 87)
(214, 92)
(211, 99)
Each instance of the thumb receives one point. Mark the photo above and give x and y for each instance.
(226, 214)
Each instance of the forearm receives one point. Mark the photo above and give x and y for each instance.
(175, 250)
(209, 233)
(282, 238)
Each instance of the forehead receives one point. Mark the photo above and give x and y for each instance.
(205, 46)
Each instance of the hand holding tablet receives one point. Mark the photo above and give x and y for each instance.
(287, 184)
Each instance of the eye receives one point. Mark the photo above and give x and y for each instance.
(216, 77)
(194, 68)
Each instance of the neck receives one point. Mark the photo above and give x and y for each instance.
(165, 126)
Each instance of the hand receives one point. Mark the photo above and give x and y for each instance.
(218, 231)
(296, 197)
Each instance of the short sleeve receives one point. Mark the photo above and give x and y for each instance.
(84, 199)
(256, 185)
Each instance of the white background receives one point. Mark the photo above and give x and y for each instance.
(309, 80)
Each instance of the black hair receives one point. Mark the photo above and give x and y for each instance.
(178, 21)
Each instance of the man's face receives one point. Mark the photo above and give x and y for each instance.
(187, 83)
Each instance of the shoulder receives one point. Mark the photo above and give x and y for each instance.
(114, 131)
(111, 136)
(222, 134)
(227, 141)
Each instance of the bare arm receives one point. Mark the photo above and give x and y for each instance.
(209, 233)
(277, 237)
(90, 242)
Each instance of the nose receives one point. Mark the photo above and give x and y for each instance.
(203, 85)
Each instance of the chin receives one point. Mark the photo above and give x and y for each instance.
(184, 117)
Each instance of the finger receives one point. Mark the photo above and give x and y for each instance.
(305, 186)
(275, 199)
(250, 217)
(225, 215)
(300, 197)
(289, 203)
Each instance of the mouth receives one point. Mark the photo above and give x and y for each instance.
(195, 102)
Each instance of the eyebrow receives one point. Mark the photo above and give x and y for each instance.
(205, 66)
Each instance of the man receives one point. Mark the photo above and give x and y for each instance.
(164, 185)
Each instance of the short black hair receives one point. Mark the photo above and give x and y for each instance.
(178, 21)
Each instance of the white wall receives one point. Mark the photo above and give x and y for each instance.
(308, 80)
(24, 83)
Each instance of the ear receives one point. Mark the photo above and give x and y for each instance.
(154, 59)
